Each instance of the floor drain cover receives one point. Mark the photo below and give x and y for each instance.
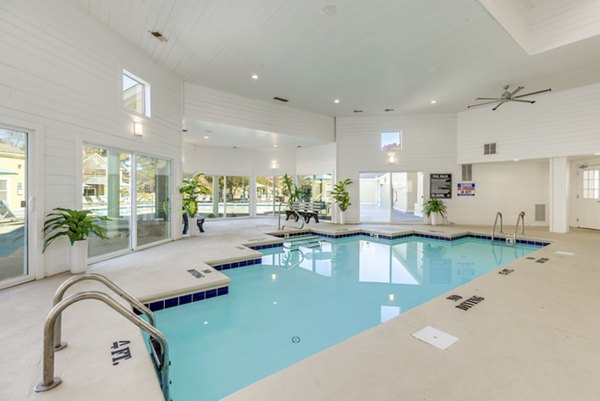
(295, 339)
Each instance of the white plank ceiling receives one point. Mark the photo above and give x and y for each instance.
(372, 55)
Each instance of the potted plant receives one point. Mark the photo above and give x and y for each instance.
(291, 190)
(435, 209)
(77, 225)
(341, 197)
(190, 189)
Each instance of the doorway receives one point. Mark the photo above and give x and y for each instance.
(391, 197)
(588, 197)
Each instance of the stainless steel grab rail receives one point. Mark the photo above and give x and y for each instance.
(298, 215)
(521, 219)
(498, 215)
(49, 381)
(60, 292)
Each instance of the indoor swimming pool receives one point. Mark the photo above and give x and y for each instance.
(308, 296)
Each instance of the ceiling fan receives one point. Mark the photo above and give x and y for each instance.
(508, 96)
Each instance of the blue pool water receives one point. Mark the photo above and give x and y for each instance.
(296, 304)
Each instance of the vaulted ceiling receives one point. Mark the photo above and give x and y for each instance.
(371, 55)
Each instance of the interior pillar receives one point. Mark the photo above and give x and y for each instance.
(559, 195)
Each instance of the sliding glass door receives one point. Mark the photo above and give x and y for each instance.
(114, 184)
(152, 200)
(107, 192)
(13, 205)
(269, 192)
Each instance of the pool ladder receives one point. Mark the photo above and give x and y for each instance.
(52, 328)
(498, 216)
(520, 219)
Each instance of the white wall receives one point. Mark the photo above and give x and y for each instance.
(565, 123)
(429, 145)
(60, 74)
(244, 162)
(316, 159)
(211, 105)
(507, 187)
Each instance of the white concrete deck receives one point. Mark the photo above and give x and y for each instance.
(536, 336)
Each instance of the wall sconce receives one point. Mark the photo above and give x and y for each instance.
(391, 158)
(274, 164)
(137, 129)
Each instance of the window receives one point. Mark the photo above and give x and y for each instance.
(391, 141)
(591, 184)
(136, 94)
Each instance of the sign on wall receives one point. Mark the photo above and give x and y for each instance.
(466, 189)
(440, 186)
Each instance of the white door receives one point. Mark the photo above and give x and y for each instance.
(588, 198)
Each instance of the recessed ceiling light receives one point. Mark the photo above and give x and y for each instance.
(516, 160)
(596, 154)
(274, 146)
(329, 10)
(433, 102)
(254, 76)
(205, 137)
(336, 101)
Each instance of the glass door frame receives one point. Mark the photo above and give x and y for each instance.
(34, 191)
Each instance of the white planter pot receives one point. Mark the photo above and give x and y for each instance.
(79, 254)
(436, 219)
(341, 219)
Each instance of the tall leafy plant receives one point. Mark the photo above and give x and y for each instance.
(190, 189)
(434, 205)
(340, 195)
(77, 225)
(290, 189)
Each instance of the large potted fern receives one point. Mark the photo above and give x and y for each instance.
(77, 226)
(190, 189)
(341, 197)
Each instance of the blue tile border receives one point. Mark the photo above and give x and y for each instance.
(421, 235)
(240, 263)
(184, 299)
(266, 246)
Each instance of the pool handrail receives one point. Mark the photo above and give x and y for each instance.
(60, 292)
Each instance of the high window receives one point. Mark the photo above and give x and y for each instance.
(136, 94)
(391, 141)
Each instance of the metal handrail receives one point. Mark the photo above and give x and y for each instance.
(521, 219)
(498, 215)
(49, 381)
(60, 292)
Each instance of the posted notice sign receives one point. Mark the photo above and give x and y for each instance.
(440, 186)
(466, 189)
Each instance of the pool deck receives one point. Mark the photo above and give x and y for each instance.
(535, 336)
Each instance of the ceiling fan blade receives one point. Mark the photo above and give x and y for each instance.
(517, 90)
(489, 98)
(523, 101)
(533, 93)
(499, 104)
(482, 104)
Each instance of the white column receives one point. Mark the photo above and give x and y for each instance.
(559, 195)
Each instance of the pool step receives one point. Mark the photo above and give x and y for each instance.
(306, 241)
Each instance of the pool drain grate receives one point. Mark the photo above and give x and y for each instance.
(295, 339)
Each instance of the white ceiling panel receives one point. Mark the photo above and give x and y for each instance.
(372, 55)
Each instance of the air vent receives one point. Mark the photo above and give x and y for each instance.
(358, 111)
(467, 172)
(489, 149)
(388, 110)
(159, 36)
(540, 212)
(281, 99)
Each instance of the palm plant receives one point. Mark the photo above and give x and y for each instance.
(433, 206)
(190, 189)
(77, 225)
(340, 195)
(290, 189)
